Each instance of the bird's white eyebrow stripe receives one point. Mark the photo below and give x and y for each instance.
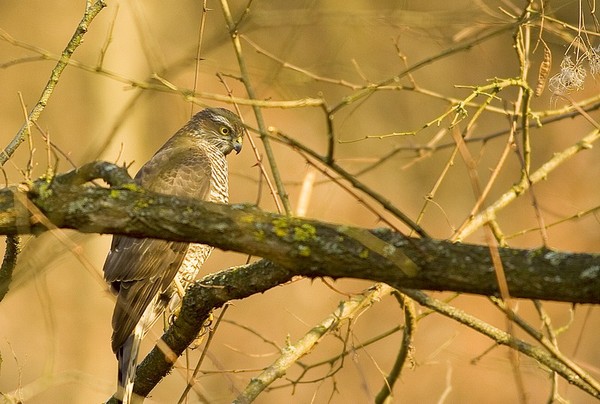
(222, 119)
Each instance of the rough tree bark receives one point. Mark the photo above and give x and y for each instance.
(305, 247)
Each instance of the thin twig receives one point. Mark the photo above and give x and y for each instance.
(91, 12)
(447, 52)
(410, 324)
(518, 189)
(548, 345)
(290, 354)
(263, 171)
(199, 50)
(387, 205)
(556, 364)
(237, 46)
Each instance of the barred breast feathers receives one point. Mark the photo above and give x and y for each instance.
(219, 187)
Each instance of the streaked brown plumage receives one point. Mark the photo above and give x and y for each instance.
(144, 272)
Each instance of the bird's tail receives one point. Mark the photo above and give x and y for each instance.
(127, 357)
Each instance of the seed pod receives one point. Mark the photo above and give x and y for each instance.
(544, 70)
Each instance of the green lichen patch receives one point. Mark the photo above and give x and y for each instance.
(143, 203)
(288, 226)
(132, 187)
(247, 219)
(259, 235)
(43, 189)
(303, 251)
(305, 232)
(281, 227)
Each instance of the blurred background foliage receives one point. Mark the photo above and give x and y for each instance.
(55, 321)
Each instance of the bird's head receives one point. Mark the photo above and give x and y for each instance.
(220, 127)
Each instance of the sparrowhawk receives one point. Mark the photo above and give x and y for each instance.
(144, 273)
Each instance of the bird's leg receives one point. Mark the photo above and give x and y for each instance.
(179, 288)
(174, 303)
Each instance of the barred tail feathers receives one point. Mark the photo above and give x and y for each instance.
(127, 357)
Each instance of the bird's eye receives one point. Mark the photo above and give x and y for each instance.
(224, 130)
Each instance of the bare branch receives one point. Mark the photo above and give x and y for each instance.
(306, 247)
(91, 11)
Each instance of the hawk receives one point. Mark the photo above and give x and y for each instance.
(146, 273)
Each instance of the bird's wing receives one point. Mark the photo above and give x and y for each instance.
(139, 269)
(181, 170)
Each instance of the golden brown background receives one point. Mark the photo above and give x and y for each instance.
(55, 321)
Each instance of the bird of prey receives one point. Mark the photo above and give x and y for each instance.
(146, 273)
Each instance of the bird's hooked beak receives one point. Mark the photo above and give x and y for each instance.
(237, 145)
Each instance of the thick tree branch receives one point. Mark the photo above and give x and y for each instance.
(292, 247)
(216, 289)
(305, 247)
(13, 247)
(212, 292)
